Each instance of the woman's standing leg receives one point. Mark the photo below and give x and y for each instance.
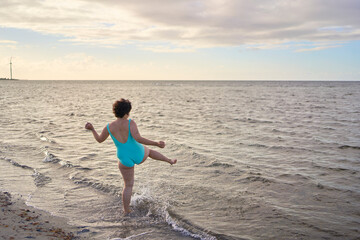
(128, 176)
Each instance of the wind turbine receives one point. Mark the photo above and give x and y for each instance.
(10, 68)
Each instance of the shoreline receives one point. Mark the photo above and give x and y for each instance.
(19, 221)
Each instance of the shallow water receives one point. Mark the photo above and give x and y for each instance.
(257, 160)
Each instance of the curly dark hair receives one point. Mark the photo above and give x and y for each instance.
(121, 107)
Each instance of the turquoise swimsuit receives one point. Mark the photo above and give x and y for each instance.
(130, 152)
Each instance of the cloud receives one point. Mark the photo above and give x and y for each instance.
(316, 48)
(168, 49)
(8, 44)
(189, 24)
(299, 47)
(337, 28)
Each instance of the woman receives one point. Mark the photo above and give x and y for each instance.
(130, 151)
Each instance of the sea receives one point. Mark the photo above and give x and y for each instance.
(256, 159)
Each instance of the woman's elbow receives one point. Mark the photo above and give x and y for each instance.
(101, 138)
(138, 139)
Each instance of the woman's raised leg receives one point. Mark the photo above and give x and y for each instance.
(128, 176)
(158, 156)
(146, 154)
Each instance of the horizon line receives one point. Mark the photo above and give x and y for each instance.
(192, 80)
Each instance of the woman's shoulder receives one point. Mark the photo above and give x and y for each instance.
(132, 123)
(110, 123)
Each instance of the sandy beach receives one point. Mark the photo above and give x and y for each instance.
(19, 221)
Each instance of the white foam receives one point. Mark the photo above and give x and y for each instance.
(50, 157)
(42, 138)
(185, 232)
(144, 199)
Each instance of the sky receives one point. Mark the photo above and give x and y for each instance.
(180, 39)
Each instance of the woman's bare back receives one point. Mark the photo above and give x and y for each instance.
(120, 129)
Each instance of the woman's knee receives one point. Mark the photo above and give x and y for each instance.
(129, 184)
(151, 153)
(128, 175)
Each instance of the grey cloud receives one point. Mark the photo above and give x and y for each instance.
(257, 20)
(191, 22)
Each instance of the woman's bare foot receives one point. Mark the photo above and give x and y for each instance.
(127, 213)
(172, 161)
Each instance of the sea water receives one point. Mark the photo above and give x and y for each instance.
(256, 160)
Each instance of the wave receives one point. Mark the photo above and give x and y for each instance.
(258, 145)
(66, 164)
(275, 130)
(284, 148)
(88, 157)
(182, 146)
(349, 147)
(297, 177)
(258, 179)
(292, 148)
(40, 179)
(219, 164)
(251, 120)
(188, 152)
(317, 107)
(255, 178)
(44, 138)
(17, 164)
(187, 228)
(323, 186)
(51, 158)
(84, 168)
(336, 169)
(175, 221)
(144, 204)
(106, 188)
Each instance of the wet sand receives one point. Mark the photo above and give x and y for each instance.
(19, 221)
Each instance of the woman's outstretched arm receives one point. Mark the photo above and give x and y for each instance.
(136, 135)
(99, 138)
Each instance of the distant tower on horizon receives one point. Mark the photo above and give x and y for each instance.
(10, 68)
